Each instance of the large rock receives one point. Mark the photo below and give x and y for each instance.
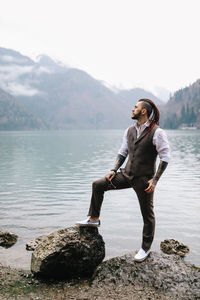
(7, 238)
(172, 246)
(68, 253)
(168, 274)
(30, 246)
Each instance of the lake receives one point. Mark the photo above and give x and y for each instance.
(46, 179)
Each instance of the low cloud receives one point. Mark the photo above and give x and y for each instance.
(12, 59)
(11, 81)
(17, 89)
(12, 72)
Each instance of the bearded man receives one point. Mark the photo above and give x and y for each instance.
(142, 142)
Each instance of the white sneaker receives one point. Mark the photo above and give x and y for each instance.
(141, 255)
(87, 222)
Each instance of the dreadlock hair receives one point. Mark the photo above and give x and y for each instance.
(150, 106)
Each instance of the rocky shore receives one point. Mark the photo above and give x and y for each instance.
(161, 276)
(19, 284)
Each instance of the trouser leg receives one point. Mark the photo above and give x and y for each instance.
(147, 210)
(98, 189)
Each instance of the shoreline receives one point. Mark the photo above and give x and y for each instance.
(7, 253)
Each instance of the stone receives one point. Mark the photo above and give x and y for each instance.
(30, 246)
(172, 246)
(69, 253)
(168, 274)
(7, 238)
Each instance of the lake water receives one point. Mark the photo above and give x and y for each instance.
(45, 184)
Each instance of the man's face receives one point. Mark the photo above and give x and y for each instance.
(136, 111)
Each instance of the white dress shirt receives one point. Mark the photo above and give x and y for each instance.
(159, 140)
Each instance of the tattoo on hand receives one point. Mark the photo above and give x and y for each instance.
(161, 168)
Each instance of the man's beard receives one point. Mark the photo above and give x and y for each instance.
(136, 116)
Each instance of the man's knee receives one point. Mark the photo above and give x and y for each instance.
(99, 184)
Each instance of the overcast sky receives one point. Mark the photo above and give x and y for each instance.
(125, 43)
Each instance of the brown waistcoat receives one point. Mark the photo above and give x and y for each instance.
(142, 154)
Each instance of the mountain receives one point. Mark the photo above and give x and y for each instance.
(162, 93)
(52, 65)
(130, 97)
(63, 97)
(14, 116)
(11, 57)
(183, 108)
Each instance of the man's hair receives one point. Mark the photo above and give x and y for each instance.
(151, 108)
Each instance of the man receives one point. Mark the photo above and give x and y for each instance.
(142, 143)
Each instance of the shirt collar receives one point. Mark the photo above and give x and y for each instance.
(144, 125)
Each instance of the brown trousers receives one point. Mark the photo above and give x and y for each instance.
(145, 200)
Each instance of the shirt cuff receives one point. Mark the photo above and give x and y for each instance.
(165, 158)
(123, 153)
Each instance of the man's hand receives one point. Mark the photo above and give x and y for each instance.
(110, 175)
(151, 187)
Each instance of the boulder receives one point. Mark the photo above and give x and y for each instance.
(172, 246)
(30, 246)
(7, 238)
(68, 253)
(168, 274)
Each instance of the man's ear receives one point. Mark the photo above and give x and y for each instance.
(144, 111)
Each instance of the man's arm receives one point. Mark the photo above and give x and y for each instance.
(162, 146)
(118, 163)
(161, 168)
(122, 154)
(152, 183)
